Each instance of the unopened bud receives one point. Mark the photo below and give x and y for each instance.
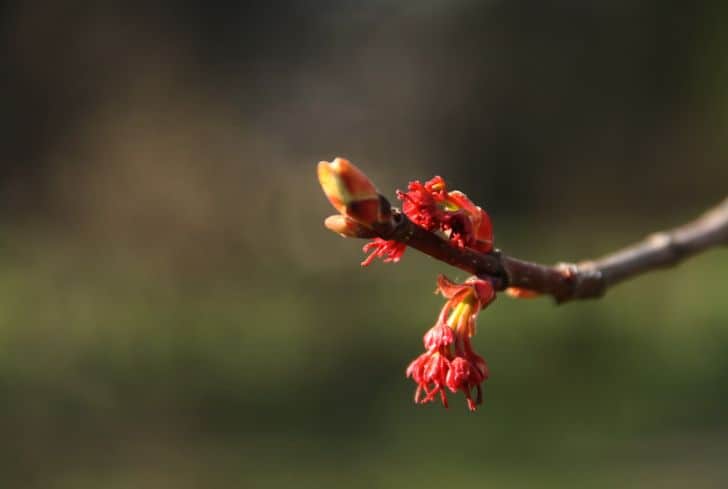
(347, 227)
(351, 192)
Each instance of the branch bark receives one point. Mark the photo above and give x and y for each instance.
(569, 281)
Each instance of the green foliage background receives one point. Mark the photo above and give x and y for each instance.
(293, 376)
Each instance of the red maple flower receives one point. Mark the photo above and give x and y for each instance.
(423, 203)
(430, 371)
(464, 375)
(440, 335)
(388, 251)
(449, 360)
(432, 207)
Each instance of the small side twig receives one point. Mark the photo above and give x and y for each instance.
(569, 281)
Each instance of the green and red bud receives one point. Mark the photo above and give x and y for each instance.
(348, 227)
(352, 193)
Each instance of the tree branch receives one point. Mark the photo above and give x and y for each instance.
(568, 281)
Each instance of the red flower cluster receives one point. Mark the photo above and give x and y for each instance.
(449, 360)
(432, 207)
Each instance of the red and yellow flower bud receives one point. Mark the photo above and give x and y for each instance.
(348, 227)
(351, 192)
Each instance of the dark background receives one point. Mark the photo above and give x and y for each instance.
(173, 313)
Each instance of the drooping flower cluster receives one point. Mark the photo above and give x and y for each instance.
(449, 361)
(432, 207)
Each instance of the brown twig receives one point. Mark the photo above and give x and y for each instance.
(568, 281)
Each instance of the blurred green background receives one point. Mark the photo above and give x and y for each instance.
(174, 315)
